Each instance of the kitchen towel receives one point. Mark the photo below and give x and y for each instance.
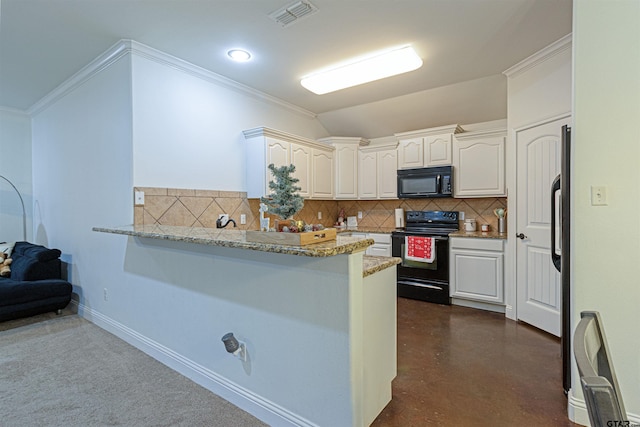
(419, 248)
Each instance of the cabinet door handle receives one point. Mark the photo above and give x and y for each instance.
(521, 236)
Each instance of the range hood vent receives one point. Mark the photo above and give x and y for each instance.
(293, 12)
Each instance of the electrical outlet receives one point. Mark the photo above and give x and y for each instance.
(139, 198)
(224, 217)
(359, 214)
(243, 219)
(105, 294)
(319, 215)
(461, 216)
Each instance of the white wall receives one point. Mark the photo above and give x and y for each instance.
(539, 89)
(606, 239)
(82, 164)
(15, 165)
(188, 129)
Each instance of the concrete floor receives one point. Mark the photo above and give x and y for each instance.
(459, 366)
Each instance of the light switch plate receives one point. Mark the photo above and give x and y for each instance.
(599, 195)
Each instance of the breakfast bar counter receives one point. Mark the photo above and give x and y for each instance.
(319, 320)
(237, 239)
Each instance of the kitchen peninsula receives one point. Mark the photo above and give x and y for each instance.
(319, 321)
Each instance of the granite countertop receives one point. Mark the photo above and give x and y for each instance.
(479, 234)
(237, 239)
(372, 264)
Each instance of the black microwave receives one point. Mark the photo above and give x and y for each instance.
(425, 182)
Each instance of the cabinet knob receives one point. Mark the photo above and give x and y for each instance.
(521, 236)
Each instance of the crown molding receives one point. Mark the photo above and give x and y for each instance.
(431, 131)
(125, 47)
(14, 111)
(541, 56)
(265, 132)
(102, 62)
(392, 145)
(489, 133)
(362, 142)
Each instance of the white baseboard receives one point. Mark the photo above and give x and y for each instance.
(478, 305)
(259, 407)
(577, 411)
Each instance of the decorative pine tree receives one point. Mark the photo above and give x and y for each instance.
(284, 201)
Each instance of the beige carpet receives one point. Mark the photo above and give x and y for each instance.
(65, 371)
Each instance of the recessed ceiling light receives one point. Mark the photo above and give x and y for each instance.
(377, 67)
(239, 55)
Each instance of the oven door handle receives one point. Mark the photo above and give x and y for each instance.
(439, 238)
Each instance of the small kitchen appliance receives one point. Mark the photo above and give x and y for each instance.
(425, 182)
(399, 214)
(470, 224)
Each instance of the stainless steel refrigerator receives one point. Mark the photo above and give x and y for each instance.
(560, 246)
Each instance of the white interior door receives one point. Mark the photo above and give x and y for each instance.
(538, 287)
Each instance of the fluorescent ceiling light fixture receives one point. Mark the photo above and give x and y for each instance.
(239, 55)
(377, 67)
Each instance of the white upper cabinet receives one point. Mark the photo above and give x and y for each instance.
(278, 152)
(367, 175)
(301, 158)
(387, 174)
(426, 147)
(410, 153)
(345, 163)
(313, 162)
(479, 164)
(322, 174)
(437, 149)
(377, 172)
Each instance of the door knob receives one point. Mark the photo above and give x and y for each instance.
(521, 236)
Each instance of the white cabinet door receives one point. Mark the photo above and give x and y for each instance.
(367, 175)
(382, 245)
(379, 250)
(410, 153)
(437, 150)
(479, 165)
(278, 153)
(388, 174)
(476, 269)
(322, 174)
(346, 167)
(301, 159)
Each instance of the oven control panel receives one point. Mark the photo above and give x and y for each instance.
(442, 217)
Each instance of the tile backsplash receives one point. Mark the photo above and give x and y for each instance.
(200, 208)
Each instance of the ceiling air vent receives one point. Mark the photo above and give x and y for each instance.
(293, 12)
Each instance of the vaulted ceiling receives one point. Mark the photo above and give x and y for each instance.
(465, 46)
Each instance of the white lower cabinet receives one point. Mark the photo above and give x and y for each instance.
(477, 269)
(381, 247)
